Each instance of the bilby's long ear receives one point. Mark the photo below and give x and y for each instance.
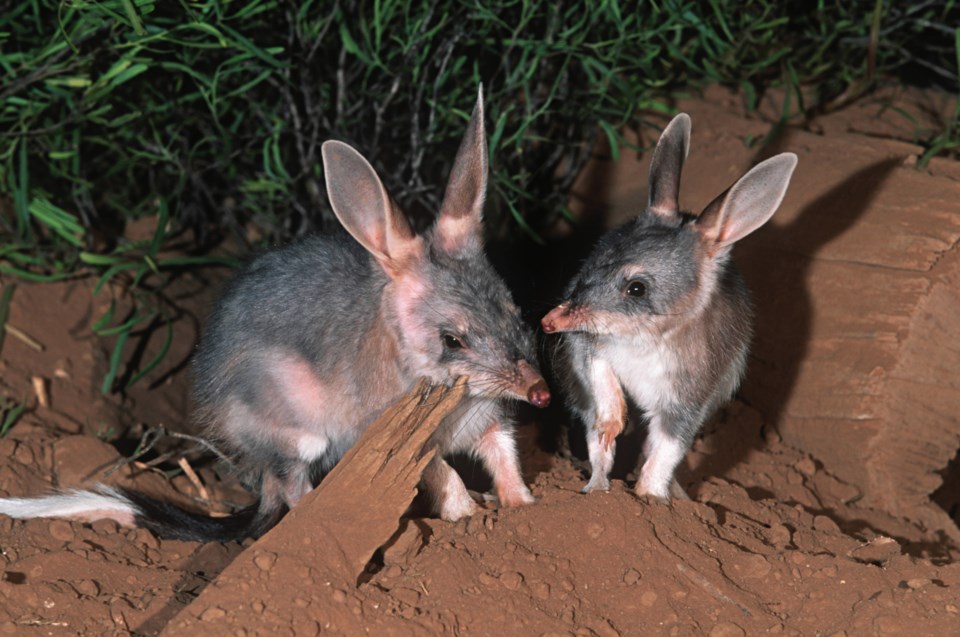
(458, 227)
(747, 204)
(363, 206)
(666, 166)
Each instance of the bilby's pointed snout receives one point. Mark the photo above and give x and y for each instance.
(553, 318)
(562, 318)
(537, 392)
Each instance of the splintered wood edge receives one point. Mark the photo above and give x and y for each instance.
(403, 429)
(381, 470)
(426, 416)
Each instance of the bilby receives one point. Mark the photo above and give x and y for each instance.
(658, 314)
(310, 342)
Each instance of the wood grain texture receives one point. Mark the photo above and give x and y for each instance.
(355, 510)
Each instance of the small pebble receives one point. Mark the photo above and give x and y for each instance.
(825, 525)
(806, 466)
(392, 571)
(105, 527)
(406, 595)
(474, 524)
(88, 587)
(61, 530)
(540, 590)
(487, 580)
(303, 627)
(24, 455)
(265, 560)
(511, 580)
(778, 534)
(7, 446)
(878, 550)
(771, 436)
(212, 614)
(727, 629)
(146, 538)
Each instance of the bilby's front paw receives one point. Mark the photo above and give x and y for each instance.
(597, 483)
(608, 431)
(516, 497)
(657, 491)
(455, 508)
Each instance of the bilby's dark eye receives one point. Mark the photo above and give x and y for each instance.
(636, 289)
(452, 342)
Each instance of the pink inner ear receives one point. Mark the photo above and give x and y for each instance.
(456, 234)
(733, 227)
(458, 227)
(725, 232)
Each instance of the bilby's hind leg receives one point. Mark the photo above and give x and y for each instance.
(447, 491)
(664, 452)
(280, 420)
(280, 490)
(498, 451)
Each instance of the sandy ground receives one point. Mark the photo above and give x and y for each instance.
(776, 539)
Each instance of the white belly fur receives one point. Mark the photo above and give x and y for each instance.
(644, 371)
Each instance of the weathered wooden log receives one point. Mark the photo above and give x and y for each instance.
(359, 504)
(322, 546)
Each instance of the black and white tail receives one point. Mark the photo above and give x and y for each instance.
(130, 508)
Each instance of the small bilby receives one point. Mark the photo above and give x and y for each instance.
(659, 313)
(311, 342)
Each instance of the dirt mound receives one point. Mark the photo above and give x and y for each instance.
(811, 509)
(777, 545)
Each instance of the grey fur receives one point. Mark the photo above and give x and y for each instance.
(310, 342)
(677, 345)
(335, 314)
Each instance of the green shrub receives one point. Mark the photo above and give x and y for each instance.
(220, 107)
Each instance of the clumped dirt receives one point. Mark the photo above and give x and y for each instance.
(780, 537)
